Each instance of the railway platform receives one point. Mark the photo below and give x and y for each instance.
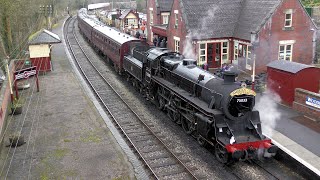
(295, 134)
(65, 137)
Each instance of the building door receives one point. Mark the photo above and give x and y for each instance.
(214, 55)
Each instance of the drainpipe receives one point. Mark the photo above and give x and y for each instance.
(314, 45)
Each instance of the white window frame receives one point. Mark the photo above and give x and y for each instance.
(285, 52)
(288, 20)
(202, 55)
(236, 50)
(176, 43)
(165, 18)
(222, 53)
(176, 19)
(151, 16)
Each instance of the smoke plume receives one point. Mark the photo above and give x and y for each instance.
(269, 113)
(188, 47)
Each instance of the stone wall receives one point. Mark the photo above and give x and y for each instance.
(302, 104)
(5, 99)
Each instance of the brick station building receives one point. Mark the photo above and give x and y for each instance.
(231, 31)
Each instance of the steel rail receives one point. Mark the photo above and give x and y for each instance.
(111, 114)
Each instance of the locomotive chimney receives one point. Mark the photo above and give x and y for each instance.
(229, 77)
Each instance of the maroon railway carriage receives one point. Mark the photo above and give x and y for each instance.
(85, 24)
(112, 43)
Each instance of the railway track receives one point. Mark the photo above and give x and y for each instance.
(240, 170)
(158, 158)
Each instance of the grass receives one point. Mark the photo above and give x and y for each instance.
(67, 140)
(60, 153)
(91, 137)
(48, 168)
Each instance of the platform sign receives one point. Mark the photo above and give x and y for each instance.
(25, 73)
(313, 102)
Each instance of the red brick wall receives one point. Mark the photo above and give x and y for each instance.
(300, 105)
(172, 31)
(156, 18)
(5, 99)
(272, 32)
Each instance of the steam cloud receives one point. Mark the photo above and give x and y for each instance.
(188, 49)
(269, 113)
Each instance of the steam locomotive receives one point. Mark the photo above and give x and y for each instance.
(218, 112)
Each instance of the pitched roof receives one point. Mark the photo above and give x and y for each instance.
(45, 37)
(253, 16)
(288, 66)
(164, 5)
(125, 13)
(225, 18)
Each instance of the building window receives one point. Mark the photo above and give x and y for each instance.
(224, 52)
(236, 55)
(288, 19)
(176, 43)
(151, 17)
(165, 19)
(202, 53)
(130, 22)
(285, 52)
(176, 19)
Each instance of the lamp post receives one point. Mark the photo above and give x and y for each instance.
(253, 71)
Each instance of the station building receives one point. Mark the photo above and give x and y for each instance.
(235, 31)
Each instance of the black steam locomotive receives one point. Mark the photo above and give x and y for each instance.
(216, 111)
